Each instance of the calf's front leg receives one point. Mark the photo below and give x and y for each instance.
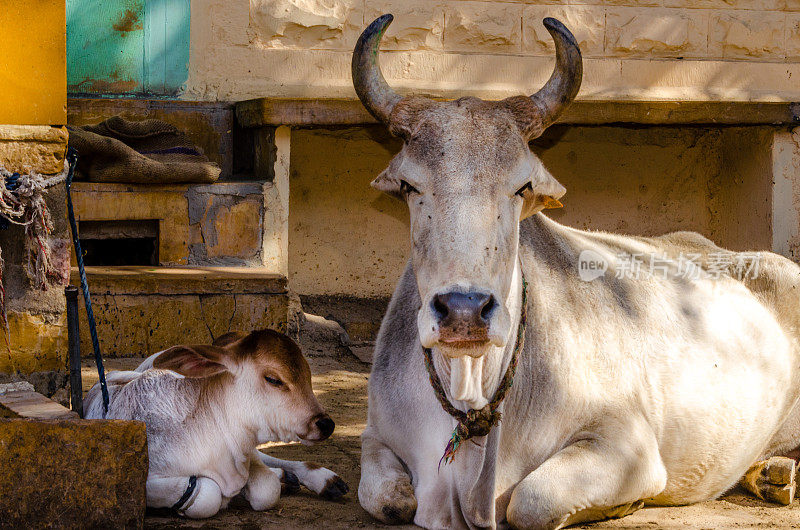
(597, 477)
(318, 479)
(263, 488)
(165, 492)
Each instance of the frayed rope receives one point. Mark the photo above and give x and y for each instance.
(22, 202)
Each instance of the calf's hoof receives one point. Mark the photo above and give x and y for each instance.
(289, 483)
(335, 488)
(773, 479)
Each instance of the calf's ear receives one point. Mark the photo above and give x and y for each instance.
(193, 361)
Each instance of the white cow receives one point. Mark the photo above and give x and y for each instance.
(207, 408)
(657, 386)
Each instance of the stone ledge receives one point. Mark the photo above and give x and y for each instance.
(141, 280)
(72, 473)
(39, 148)
(323, 112)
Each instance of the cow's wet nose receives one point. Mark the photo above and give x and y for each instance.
(325, 425)
(463, 317)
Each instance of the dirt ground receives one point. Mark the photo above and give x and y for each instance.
(340, 381)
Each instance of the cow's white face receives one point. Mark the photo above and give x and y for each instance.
(468, 177)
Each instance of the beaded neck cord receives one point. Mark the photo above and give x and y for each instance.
(477, 422)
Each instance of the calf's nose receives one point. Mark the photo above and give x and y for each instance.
(325, 425)
(463, 317)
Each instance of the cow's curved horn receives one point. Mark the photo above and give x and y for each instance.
(372, 89)
(564, 82)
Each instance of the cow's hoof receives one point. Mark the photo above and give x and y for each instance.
(773, 479)
(335, 488)
(289, 483)
(402, 506)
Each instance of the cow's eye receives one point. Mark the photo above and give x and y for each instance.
(523, 189)
(407, 188)
(273, 381)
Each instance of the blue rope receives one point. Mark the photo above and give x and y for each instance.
(72, 160)
(12, 183)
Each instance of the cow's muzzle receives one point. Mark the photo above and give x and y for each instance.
(463, 318)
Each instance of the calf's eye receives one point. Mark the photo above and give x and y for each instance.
(407, 188)
(273, 381)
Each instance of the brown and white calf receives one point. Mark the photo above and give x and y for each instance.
(208, 407)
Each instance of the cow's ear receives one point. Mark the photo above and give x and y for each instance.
(544, 192)
(193, 361)
(387, 184)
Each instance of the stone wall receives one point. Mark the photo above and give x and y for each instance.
(348, 239)
(36, 317)
(633, 49)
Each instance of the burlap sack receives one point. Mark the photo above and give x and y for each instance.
(143, 152)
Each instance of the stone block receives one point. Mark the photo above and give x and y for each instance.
(38, 342)
(30, 404)
(418, 24)
(167, 204)
(310, 24)
(747, 34)
(143, 310)
(792, 36)
(656, 32)
(72, 473)
(588, 23)
(482, 27)
(39, 148)
(226, 224)
(775, 5)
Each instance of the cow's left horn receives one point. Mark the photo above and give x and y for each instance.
(372, 89)
(564, 82)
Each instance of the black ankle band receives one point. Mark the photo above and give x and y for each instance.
(186, 494)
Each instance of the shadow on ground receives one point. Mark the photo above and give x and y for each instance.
(341, 384)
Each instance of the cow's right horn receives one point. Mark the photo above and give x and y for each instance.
(372, 89)
(564, 82)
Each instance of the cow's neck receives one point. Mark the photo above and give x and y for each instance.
(221, 410)
(470, 382)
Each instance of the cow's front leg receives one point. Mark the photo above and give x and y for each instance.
(318, 479)
(385, 490)
(203, 500)
(599, 476)
(263, 488)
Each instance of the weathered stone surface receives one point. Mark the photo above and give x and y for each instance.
(72, 473)
(792, 36)
(588, 23)
(37, 148)
(217, 224)
(747, 34)
(226, 224)
(321, 24)
(138, 315)
(418, 24)
(656, 32)
(32, 405)
(477, 26)
(728, 4)
(168, 204)
(38, 342)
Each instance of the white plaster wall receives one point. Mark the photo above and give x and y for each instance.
(634, 49)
